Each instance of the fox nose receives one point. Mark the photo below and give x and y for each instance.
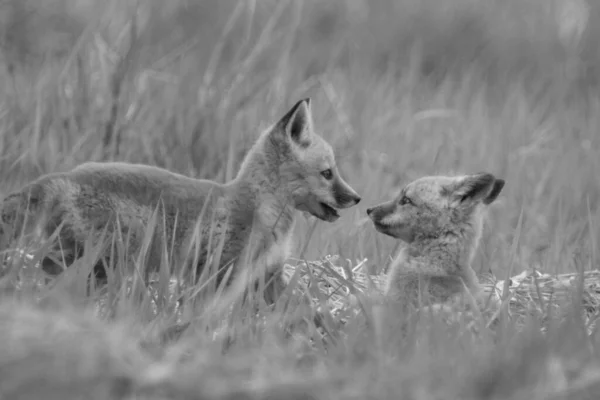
(356, 199)
(369, 211)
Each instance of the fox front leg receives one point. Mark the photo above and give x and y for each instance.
(274, 286)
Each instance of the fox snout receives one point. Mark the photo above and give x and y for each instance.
(372, 212)
(387, 221)
(379, 212)
(344, 195)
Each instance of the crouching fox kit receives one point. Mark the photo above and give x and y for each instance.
(289, 168)
(440, 218)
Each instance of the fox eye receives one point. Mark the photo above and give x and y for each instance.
(405, 200)
(327, 174)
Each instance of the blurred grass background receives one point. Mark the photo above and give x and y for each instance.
(400, 88)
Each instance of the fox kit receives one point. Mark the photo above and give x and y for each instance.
(440, 218)
(289, 168)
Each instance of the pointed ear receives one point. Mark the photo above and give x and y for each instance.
(296, 124)
(473, 188)
(496, 189)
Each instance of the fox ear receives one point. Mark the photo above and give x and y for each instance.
(496, 189)
(472, 188)
(297, 123)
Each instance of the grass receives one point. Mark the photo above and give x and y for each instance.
(401, 89)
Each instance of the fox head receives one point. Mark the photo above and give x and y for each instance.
(306, 166)
(436, 205)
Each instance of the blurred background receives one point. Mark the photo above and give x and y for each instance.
(400, 88)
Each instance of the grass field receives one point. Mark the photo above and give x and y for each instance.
(400, 88)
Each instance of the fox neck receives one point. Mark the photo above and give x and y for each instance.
(259, 182)
(458, 244)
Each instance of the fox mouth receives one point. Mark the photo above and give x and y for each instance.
(327, 213)
(380, 227)
(319, 209)
(395, 231)
(383, 228)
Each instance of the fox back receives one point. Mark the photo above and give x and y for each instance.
(440, 218)
(245, 222)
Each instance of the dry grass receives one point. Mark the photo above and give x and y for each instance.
(401, 89)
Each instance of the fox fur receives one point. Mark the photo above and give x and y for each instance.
(289, 168)
(441, 220)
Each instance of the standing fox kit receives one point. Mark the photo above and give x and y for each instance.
(289, 168)
(441, 219)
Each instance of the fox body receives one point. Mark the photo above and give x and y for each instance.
(289, 168)
(440, 218)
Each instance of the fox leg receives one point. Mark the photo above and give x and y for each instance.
(274, 286)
